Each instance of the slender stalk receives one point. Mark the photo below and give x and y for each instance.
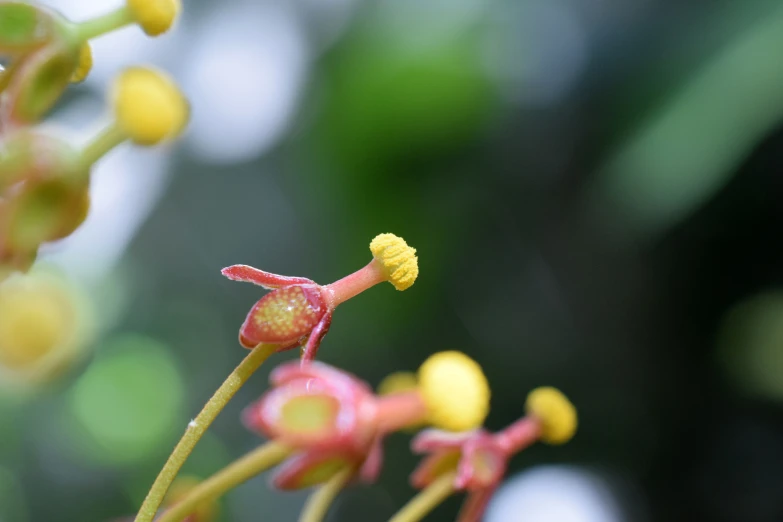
(519, 435)
(354, 284)
(319, 502)
(106, 140)
(400, 410)
(199, 425)
(103, 24)
(241, 470)
(427, 500)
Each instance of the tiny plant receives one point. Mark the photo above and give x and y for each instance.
(325, 427)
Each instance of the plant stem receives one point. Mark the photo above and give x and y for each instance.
(198, 426)
(319, 502)
(106, 140)
(103, 24)
(427, 500)
(239, 471)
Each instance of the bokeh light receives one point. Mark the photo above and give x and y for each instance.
(128, 400)
(555, 493)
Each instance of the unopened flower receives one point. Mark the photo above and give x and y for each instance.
(45, 195)
(476, 461)
(44, 327)
(299, 311)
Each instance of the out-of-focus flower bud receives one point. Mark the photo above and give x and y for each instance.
(45, 193)
(37, 82)
(45, 325)
(24, 27)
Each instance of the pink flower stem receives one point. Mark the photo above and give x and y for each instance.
(354, 284)
(519, 435)
(400, 410)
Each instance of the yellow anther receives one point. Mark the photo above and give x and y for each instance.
(398, 260)
(398, 382)
(555, 412)
(149, 107)
(455, 391)
(85, 64)
(154, 16)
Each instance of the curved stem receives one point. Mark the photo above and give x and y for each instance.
(427, 500)
(198, 426)
(319, 502)
(239, 471)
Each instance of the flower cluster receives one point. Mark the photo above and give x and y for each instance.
(44, 179)
(325, 426)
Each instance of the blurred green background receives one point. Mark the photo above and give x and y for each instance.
(594, 189)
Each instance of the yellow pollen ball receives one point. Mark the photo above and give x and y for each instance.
(35, 319)
(85, 64)
(555, 412)
(148, 106)
(455, 391)
(154, 16)
(398, 260)
(398, 382)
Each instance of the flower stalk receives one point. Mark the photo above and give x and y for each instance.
(198, 426)
(319, 502)
(257, 461)
(427, 500)
(103, 24)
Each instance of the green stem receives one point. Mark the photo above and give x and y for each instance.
(427, 500)
(198, 426)
(103, 24)
(319, 502)
(106, 140)
(239, 471)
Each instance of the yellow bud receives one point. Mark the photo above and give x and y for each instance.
(42, 327)
(148, 105)
(398, 382)
(555, 412)
(154, 16)
(397, 259)
(455, 391)
(85, 64)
